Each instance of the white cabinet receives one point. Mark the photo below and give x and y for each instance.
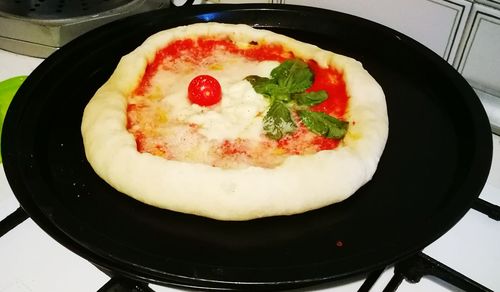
(490, 3)
(479, 56)
(438, 24)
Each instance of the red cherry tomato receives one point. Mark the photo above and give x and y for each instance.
(204, 90)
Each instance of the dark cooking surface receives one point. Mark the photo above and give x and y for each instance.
(435, 163)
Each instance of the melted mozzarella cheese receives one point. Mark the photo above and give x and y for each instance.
(240, 112)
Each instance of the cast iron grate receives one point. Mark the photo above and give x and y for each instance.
(119, 284)
(491, 210)
(411, 269)
(11, 221)
(420, 265)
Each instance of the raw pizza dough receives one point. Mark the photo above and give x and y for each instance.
(299, 184)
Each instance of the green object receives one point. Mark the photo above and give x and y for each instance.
(311, 98)
(323, 124)
(8, 89)
(286, 90)
(278, 121)
(294, 75)
(290, 77)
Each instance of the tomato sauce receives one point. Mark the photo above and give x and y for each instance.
(233, 147)
(201, 48)
(196, 50)
(324, 143)
(267, 52)
(332, 81)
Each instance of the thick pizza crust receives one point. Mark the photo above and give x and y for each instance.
(300, 184)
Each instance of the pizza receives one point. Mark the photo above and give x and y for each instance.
(232, 122)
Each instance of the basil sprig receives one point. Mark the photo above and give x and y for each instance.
(286, 92)
(288, 82)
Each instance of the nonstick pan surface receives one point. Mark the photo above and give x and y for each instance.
(436, 162)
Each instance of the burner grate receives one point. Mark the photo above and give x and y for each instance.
(17, 217)
(487, 208)
(124, 285)
(420, 265)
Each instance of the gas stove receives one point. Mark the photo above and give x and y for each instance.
(467, 256)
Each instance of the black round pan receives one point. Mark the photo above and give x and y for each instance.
(436, 162)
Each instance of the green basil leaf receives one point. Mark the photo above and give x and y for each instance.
(281, 94)
(323, 124)
(262, 85)
(294, 75)
(278, 121)
(310, 98)
(268, 88)
(255, 79)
